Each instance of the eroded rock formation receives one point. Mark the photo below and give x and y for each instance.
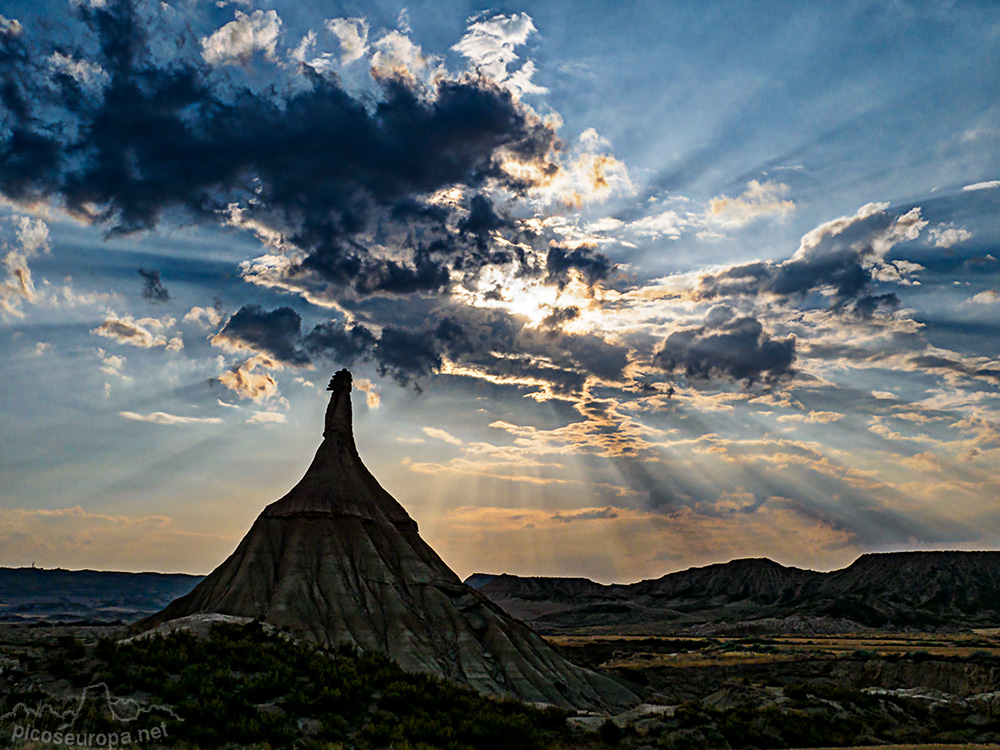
(338, 560)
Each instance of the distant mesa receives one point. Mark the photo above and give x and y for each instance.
(339, 561)
(890, 591)
(37, 595)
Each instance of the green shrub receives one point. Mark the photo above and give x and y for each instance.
(244, 687)
(610, 733)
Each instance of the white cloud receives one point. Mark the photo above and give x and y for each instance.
(32, 238)
(403, 21)
(905, 228)
(128, 330)
(274, 271)
(33, 234)
(10, 26)
(300, 53)
(896, 271)
(983, 185)
(18, 285)
(733, 501)
(589, 174)
(489, 44)
(236, 42)
(250, 378)
(373, 399)
(236, 216)
(606, 224)
(64, 295)
(813, 417)
(266, 417)
(759, 200)
(667, 224)
(989, 297)
(207, 317)
(814, 237)
(975, 134)
(352, 33)
(112, 364)
(396, 55)
(90, 76)
(439, 434)
(519, 82)
(877, 242)
(946, 235)
(159, 417)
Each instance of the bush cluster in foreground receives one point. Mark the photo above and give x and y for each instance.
(245, 687)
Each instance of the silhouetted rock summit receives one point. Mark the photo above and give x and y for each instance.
(338, 560)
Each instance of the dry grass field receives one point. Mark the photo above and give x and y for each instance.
(915, 747)
(640, 652)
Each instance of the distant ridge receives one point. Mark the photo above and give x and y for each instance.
(39, 595)
(478, 580)
(889, 590)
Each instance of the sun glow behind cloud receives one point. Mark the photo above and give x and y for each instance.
(531, 299)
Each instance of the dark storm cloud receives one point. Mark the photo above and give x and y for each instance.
(325, 168)
(968, 368)
(467, 336)
(340, 177)
(591, 264)
(341, 343)
(889, 343)
(405, 354)
(152, 286)
(482, 220)
(587, 353)
(500, 344)
(727, 346)
(560, 315)
(595, 355)
(490, 341)
(842, 258)
(276, 332)
(869, 304)
(29, 157)
(470, 334)
(586, 515)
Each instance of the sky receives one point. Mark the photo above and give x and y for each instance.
(624, 288)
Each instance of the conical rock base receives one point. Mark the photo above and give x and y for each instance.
(339, 561)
